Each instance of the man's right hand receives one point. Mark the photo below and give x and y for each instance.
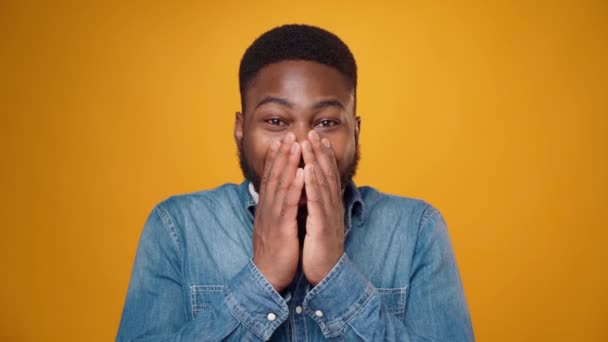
(276, 247)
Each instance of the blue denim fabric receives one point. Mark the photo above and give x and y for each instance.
(194, 280)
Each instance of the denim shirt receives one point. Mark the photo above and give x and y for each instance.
(194, 278)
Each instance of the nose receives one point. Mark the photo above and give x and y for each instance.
(300, 132)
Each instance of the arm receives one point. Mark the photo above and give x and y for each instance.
(156, 306)
(252, 309)
(436, 308)
(345, 305)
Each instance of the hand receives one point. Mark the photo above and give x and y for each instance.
(276, 246)
(324, 241)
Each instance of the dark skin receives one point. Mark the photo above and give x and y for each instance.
(299, 132)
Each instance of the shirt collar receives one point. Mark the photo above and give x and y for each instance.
(254, 195)
(353, 205)
(353, 202)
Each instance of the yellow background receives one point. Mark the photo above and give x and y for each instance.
(495, 113)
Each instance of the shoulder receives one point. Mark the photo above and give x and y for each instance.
(223, 197)
(413, 210)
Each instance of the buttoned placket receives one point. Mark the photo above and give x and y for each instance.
(300, 325)
(297, 316)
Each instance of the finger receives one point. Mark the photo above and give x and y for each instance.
(313, 195)
(273, 175)
(288, 173)
(328, 187)
(292, 197)
(311, 159)
(326, 159)
(271, 154)
(307, 153)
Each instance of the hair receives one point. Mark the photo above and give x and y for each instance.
(296, 42)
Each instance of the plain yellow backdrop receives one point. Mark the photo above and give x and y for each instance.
(495, 112)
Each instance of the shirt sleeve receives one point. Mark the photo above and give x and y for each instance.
(156, 306)
(347, 306)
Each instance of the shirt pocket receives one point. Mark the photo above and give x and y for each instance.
(393, 300)
(205, 297)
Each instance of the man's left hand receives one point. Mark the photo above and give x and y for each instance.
(324, 241)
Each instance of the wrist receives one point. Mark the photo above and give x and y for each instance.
(315, 275)
(274, 281)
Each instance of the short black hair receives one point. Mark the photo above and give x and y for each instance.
(296, 42)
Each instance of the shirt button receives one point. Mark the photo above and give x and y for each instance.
(319, 313)
(271, 317)
(298, 309)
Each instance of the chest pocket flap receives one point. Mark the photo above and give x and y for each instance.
(205, 297)
(393, 300)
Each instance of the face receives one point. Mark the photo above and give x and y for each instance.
(297, 96)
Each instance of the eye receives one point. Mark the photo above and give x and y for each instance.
(275, 122)
(326, 123)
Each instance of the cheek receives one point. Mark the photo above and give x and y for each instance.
(344, 152)
(256, 148)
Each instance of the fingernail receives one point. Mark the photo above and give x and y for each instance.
(275, 145)
(326, 143)
(294, 148)
(299, 172)
(314, 135)
(305, 145)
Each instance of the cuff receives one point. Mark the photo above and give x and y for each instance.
(338, 297)
(255, 303)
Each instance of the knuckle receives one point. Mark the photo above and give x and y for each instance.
(314, 199)
(290, 203)
(266, 174)
(329, 175)
(269, 177)
(283, 184)
(321, 180)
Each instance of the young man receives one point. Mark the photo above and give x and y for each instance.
(296, 252)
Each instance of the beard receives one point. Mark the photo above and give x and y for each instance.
(256, 179)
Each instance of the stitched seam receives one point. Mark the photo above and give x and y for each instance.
(195, 289)
(400, 291)
(170, 226)
(426, 214)
(429, 211)
(241, 315)
(332, 274)
(350, 314)
(192, 295)
(263, 331)
(330, 328)
(360, 308)
(259, 278)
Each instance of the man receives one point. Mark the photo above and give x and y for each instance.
(296, 252)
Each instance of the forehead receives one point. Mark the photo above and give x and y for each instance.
(300, 82)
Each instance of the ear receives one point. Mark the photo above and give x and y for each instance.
(357, 126)
(238, 128)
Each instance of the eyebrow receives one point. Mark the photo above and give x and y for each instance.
(272, 99)
(284, 102)
(328, 103)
